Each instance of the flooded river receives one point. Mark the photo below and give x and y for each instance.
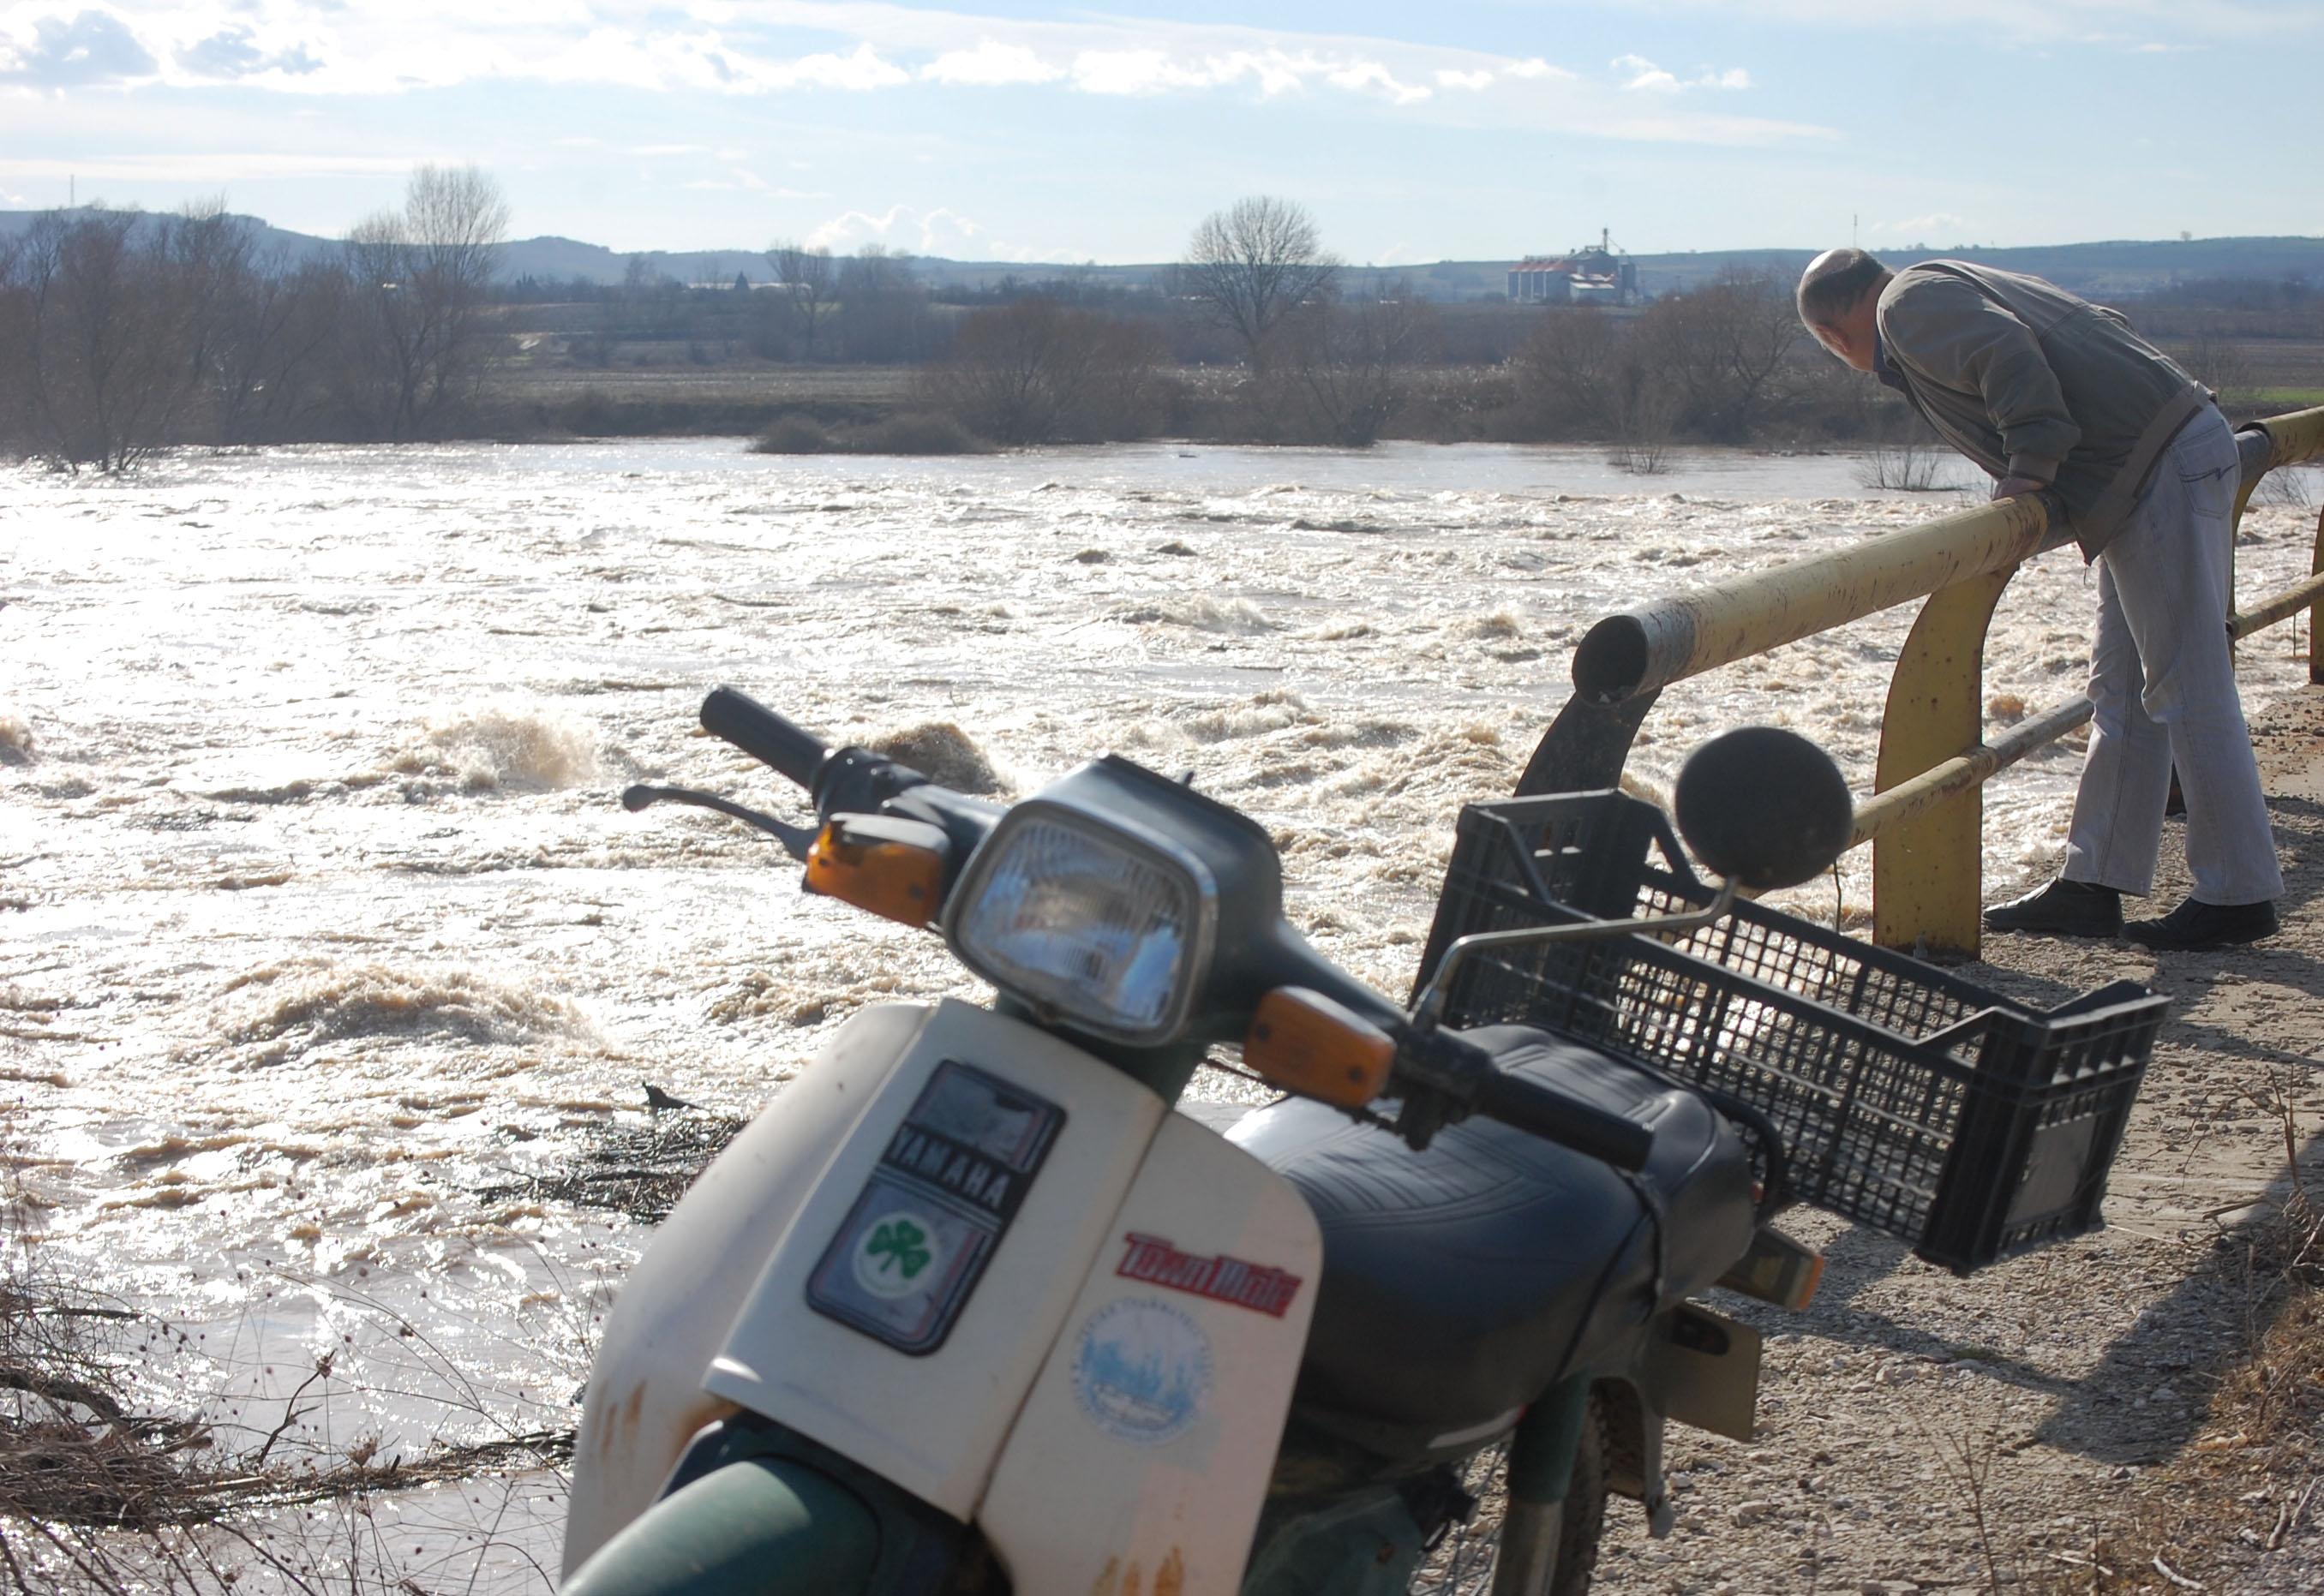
(321, 932)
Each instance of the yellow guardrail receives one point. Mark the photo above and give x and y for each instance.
(1925, 820)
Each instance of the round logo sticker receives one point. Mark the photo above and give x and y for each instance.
(894, 1253)
(1143, 1371)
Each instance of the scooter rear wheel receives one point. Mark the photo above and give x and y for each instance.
(1464, 1564)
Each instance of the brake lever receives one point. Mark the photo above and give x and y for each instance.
(1442, 1074)
(796, 840)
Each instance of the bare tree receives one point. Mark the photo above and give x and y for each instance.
(423, 277)
(1253, 263)
(1352, 358)
(883, 314)
(283, 327)
(804, 277)
(104, 365)
(16, 343)
(1723, 346)
(2217, 362)
(208, 255)
(1573, 371)
(1036, 372)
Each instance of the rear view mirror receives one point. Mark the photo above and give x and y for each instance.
(1763, 807)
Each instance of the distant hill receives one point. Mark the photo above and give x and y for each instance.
(271, 238)
(2120, 267)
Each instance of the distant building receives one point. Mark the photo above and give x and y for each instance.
(1594, 275)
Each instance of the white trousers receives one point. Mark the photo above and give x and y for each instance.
(2163, 684)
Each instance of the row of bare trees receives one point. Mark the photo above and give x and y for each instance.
(1333, 355)
(864, 307)
(121, 333)
(1327, 355)
(1725, 364)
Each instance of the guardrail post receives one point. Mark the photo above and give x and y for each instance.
(1928, 873)
(2316, 610)
(1585, 747)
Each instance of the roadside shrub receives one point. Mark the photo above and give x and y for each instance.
(914, 432)
(909, 432)
(792, 435)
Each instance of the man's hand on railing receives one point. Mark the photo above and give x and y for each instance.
(2011, 487)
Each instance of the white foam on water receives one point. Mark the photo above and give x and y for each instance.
(320, 924)
(291, 1009)
(506, 747)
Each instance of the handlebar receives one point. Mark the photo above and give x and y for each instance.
(767, 737)
(1553, 1116)
(1443, 1076)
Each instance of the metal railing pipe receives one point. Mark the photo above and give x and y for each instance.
(2281, 607)
(1646, 649)
(2293, 439)
(1926, 817)
(1910, 800)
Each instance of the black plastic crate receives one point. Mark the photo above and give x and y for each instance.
(1914, 1100)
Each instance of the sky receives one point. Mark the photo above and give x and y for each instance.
(1012, 130)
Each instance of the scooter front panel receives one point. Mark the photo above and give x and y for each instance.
(909, 1306)
(645, 1399)
(1142, 1459)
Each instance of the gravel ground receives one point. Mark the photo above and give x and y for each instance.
(1921, 1432)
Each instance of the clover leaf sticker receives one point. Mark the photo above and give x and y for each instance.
(900, 1246)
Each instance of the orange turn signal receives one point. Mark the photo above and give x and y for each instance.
(1305, 1042)
(893, 867)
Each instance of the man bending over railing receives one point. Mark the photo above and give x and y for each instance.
(2051, 394)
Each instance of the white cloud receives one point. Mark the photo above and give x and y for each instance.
(941, 231)
(92, 47)
(863, 68)
(216, 167)
(1272, 72)
(1641, 74)
(1373, 75)
(1128, 72)
(991, 63)
(236, 52)
(318, 48)
(2084, 22)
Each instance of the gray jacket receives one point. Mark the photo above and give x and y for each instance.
(2028, 381)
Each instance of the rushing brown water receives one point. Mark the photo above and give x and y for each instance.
(319, 925)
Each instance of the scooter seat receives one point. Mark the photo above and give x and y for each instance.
(1460, 1282)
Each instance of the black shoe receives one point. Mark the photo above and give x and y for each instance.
(2062, 908)
(2194, 925)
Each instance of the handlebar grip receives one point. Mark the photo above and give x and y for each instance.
(763, 734)
(1609, 1138)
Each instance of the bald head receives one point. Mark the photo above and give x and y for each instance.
(1835, 283)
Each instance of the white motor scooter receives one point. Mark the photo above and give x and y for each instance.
(970, 1307)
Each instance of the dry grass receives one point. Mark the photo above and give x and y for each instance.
(122, 1470)
(2250, 1479)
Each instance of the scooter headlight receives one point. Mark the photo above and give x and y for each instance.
(1108, 932)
